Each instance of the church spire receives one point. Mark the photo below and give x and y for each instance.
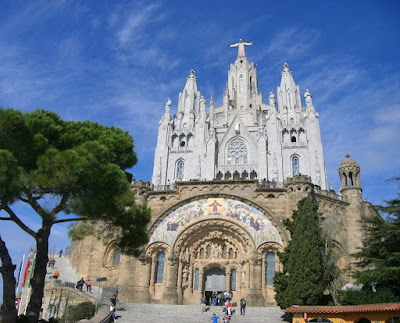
(288, 91)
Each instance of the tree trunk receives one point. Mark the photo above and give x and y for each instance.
(38, 279)
(7, 271)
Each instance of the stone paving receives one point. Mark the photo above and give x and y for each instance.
(147, 313)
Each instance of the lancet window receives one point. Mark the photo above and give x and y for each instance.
(160, 267)
(233, 280)
(117, 257)
(270, 269)
(237, 153)
(295, 165)
(179, 170)
(241, 86)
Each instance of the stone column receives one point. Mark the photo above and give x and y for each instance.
(140, 292)
(228, 279)
(201, 280)
(255, 297)
(153, 274)
(179, 287)
(170, 295)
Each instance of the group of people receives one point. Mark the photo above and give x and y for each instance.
(51, 263)
(227, 306)
(81, 282)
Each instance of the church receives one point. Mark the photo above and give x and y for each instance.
(224, 179)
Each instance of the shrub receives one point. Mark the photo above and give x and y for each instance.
(79, 312)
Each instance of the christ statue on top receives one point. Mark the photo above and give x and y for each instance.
(240, 45)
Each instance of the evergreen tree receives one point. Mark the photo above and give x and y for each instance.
(380, 255)
(303, 278)
(58, 167)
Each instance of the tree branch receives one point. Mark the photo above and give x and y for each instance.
(22, 225)
(60, 206)
(66, 220)
(5, 219)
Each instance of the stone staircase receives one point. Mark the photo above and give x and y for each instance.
(68, 277)
(146, 313)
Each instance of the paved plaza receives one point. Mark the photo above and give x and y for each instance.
(189, 313)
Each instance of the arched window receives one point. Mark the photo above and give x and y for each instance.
(117, 257)
(179, 170)
(230, 253)
(241, 83)
(295, 165)
(196, 279)
(237, 152)
(293, 139)
(233, 280)
(201, 253)
(291, 121)
(208, 251)
(160, 267)
(270, 269)
(320, 320)
(224, 251)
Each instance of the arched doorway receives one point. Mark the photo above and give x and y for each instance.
(212, 247)
(214, 282)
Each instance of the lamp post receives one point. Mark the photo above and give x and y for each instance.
(99, 280)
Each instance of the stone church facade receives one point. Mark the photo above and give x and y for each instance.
(223, 182)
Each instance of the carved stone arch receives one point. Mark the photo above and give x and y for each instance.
(156, 247)
(268, 213)
(108, 255)
(198, 233)
(343, 261)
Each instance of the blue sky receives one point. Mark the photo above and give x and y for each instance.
(116, 62)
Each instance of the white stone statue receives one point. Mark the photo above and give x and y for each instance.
(308, 97)
(237, 128)
(272, 101)
(240, 45)
(168, 106)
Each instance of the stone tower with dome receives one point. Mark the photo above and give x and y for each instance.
(224, 181)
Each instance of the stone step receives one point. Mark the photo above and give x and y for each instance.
(188, 313)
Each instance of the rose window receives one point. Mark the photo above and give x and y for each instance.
(237, 153)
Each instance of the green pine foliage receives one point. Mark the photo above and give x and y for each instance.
(303, 278)
(67, 171)
(380, 255)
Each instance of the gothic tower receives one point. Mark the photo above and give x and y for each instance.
(244, 138)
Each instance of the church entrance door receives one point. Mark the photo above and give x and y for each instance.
(215, 280)
(214, 283)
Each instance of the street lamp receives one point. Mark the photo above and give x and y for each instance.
(99, 280)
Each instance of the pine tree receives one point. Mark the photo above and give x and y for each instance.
(302, 280)
(380, 255)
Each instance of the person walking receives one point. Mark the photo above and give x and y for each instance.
(53, 262)
(88, 286)
(229, 307)
(203, 304)
(242, 306)
(214, 318)
(226, 318)
(60, 253)
(112, 312)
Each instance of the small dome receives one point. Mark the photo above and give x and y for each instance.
(348, 163)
